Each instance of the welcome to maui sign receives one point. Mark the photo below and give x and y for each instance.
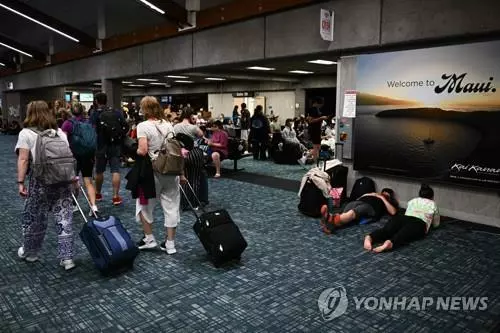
(431, 114)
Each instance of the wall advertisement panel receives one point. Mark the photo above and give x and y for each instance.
(431, 114)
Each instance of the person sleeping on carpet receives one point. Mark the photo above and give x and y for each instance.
(421, 214)
(369, 206)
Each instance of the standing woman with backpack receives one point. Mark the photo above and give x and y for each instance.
(40, 143)
(151, 134)
(83, 142)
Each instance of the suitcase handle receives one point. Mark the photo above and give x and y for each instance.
(88, 202)
(189, 201)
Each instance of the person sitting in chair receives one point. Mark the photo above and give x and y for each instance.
(369, 206)
(219, 146)
(420, 215)
(289, 135)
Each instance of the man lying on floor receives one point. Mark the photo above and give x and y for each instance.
(369, 206)
(422, 212)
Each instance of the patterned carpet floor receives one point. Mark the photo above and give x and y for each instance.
(268, 168)
(275, 288)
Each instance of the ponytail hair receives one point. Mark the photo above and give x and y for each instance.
(426, 192)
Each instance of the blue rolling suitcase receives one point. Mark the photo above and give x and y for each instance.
(108, 242)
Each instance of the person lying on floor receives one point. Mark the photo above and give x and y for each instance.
(422, 212)
(369, 206)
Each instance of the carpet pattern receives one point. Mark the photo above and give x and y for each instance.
(275, 288)
(269, 168)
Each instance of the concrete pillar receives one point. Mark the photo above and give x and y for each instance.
(346, 80)
(101, 24)
(5, 112)
(113, 89)
(51, 49)
(300, 100)
(12, 103)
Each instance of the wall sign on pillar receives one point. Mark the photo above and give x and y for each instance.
(326, 25)
(349, 110)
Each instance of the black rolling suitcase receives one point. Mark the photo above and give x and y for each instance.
(218, 233)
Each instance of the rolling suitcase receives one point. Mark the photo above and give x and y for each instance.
(108, 242)
(218, 233)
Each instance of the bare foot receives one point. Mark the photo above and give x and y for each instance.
(368, 243)
(384, 247)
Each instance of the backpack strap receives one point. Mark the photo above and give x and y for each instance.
(163, 135)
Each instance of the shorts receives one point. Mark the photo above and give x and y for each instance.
(244, 135)
(108, 154)
(315, 135)
(221, 154)
(361, 209)
(85, 165)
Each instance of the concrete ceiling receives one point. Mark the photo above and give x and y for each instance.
(121, 16)
(231, 73)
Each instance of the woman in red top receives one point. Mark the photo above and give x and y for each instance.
(219, 144)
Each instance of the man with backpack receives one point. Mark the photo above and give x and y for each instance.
(111, 129)
(83, 143)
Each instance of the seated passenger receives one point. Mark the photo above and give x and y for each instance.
(369, 206)
(422, 212)
(289, 135)
(328, 138)
(219, 146)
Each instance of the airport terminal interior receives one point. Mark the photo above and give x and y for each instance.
(250, 166)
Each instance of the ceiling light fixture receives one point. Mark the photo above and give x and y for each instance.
(215, 79)
(136, 85)
(300, 72)
(153, 7)
(147, 80)
(158, 84)
(127, 82)
(40, 23)
(322, 62)
(177, 77)
(258, 68)
(17, 50)
(183, 81)
(2, 64)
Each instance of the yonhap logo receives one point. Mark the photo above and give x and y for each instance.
(333, 302)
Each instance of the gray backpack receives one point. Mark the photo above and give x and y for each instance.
(53, 161)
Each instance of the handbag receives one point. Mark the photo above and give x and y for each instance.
(169, 160)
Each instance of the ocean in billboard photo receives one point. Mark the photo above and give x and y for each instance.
(431, 114)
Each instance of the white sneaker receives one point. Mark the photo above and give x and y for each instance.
(169, 247)
(147, 245)
(302, 161)
(22, 255)
(67, 264)
(92, 211)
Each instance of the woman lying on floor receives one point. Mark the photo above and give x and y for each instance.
(369, 206)
(403, 229)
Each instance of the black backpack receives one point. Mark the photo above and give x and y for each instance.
(112, 127)
(361, 187)
(311, 200)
